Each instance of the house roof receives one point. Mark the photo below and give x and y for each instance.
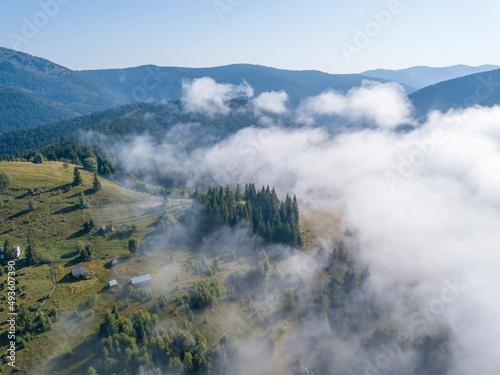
(113, 283)
(141, 279)
(77, 271)
(108, 226)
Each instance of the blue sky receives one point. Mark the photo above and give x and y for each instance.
(321, 34)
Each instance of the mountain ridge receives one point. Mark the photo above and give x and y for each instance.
(423, 76)
(475, 89)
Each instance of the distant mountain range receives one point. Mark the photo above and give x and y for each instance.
(475, 89)
(67, 93)
(155, 84)
(35, 91)
(422, 76)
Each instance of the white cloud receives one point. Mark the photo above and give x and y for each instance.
(440, 223)
(384, 104)
(209, 97)
(271, 102)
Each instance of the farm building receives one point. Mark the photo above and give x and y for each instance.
(78, 271)
(141, 280)
(114, 262)
(17, 249)
(107, 228)
(113, 283)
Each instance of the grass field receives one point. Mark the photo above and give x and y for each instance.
(56, 224)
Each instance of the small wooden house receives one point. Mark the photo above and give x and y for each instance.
(141, 280)
(113, 284)
(107, 228)
(78, 271)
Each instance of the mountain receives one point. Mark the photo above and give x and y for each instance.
(422, 76)
(475, 89)
(20, 109)
(45, 79)
(154, 119)
(156, 84)
(40, 91)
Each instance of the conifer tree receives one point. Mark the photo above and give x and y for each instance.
(77, 177)
(96, 184)
(30, 251)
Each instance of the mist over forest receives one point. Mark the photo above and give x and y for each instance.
(228, 188)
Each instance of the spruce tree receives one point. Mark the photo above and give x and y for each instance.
(6, 244)
(7, 248)
(5, 181)
(96, 184)
(30, 252)
(77, 177)
(84, 203)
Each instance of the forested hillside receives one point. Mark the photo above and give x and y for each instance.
(20, 110)
(52, 81)
(134, 119)
(475, 89)
(67, 93)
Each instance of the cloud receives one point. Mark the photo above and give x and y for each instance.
(429, 231)
(383, 104)
(271, 102)
(207, 96)
(438, 227)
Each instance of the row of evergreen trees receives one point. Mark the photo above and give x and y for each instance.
(274, 220)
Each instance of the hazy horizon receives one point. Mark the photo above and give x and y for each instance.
(331, 37)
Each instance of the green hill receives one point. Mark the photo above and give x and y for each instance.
(47, 80)
(20, 110)
(69, 328)
(56, 224)
(210, 308)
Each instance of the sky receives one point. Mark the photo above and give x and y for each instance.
(328, 35)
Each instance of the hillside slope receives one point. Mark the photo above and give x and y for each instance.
(476, 89)
(67, 332)
(133, 119)
(56, 224)
(45, 79)
(20, 110)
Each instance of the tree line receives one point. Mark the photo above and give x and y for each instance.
(274, 220)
